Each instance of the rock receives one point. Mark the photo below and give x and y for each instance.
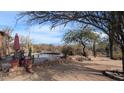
(114, 75)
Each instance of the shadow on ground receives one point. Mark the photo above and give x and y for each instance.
(70, 71)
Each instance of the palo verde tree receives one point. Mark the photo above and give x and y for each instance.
(83, 36)
(110, 22)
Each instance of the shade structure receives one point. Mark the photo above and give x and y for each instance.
(16, 42)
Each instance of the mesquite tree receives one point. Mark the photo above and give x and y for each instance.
(83, 36)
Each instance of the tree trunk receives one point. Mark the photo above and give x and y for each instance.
(111, 47)
(122, 50)
(94, 49)
(84, 52)
(107, 51)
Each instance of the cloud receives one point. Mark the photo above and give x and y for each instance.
(38, 33)
(45, 39)
(43, 34)
(45, 30)
(101, 33)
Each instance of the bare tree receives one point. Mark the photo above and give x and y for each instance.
(25, 41)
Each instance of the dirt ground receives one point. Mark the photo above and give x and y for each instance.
(76, 71)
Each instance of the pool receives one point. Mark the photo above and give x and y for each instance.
(42, 57)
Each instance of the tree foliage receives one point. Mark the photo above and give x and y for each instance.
(83, 36)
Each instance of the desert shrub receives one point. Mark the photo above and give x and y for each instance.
(78, 51)
(67, 50)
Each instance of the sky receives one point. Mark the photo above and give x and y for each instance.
(39, 34)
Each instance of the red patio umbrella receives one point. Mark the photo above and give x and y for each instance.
(7, 40)
(16, 42)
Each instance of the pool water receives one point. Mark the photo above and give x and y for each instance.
(38, 58)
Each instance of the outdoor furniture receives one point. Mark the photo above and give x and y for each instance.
(5, 67)
(5, 64)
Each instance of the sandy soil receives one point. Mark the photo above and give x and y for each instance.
(76, 71)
